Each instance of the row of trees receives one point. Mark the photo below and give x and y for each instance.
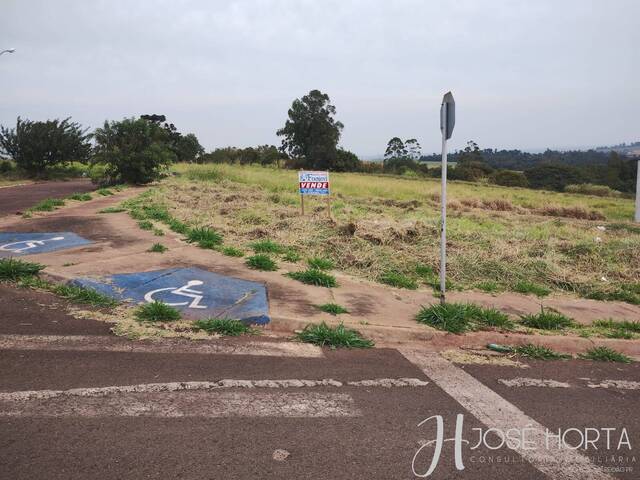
(127, 151)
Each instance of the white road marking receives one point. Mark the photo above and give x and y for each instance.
(190, 404)
(620, 384)
(532, 382)
(105, 343)
(495, 412)
(29, 244)
(29, 395)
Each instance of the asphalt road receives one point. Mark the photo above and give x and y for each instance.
(16, 199)
(95, 410)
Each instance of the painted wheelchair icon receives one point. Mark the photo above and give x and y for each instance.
(18, 243)
(183, 291)
(23, 245)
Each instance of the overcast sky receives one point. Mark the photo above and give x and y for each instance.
(525, 74)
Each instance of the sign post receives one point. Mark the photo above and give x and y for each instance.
(447, 122)
(314, 183)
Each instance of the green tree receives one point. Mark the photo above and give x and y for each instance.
(414, 151)
(311, 132)
(36, 146)
(395, 149)
(187, 148)
(133, 151)
(509, 178)
(346, 161)
(553, 177)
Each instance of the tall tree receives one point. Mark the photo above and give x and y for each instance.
(414, 151)
(311, 132)
(395, 149)
(36, 146)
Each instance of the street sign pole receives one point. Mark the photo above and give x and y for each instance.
(637, 217)
(447, 122)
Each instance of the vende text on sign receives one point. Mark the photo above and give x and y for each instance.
(313, 183)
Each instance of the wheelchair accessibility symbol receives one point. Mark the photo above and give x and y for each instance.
(183, 291)
(24, 245)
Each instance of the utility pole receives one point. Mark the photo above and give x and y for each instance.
(637, 216)
(447, 122)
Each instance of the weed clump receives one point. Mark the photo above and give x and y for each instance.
(157, 248)
(47, 205)
(547, 320)
(339, 336)
(526, 287)
(332, 308)
(604, 354)
(312, 276)
(79, 294)
(268, 246)
(462, 317)
(205, 237)
(145, 225)
(232, 252)
(222, 326)
(261, 262)
(320, 263)
(398, 280)
(13, 269)
(538, 352)
(112, 210)
(156, 312)
(81, 197)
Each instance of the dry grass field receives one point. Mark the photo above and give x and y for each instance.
(386, 229)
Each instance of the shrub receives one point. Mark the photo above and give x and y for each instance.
(205, 237)
(38, 146)
(320, 263)
(547, 320)
(332, 308)
(399, 280)
(222, 326)
(312, 276)
(14, 269)
(591, 189)
(156, 312)
(339, 336)
(6, 166)
(509, 178)
(604, 354)
(134, 151)
(261, 262)
(528, 287)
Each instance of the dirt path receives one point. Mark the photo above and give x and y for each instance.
(16, 199)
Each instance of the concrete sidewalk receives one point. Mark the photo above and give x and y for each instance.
(384, 313)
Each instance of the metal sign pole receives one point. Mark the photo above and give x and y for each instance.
(443, 221)
(637, 217)
(447, 122)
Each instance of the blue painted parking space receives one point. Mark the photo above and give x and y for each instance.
(196, 293)
(16, 244)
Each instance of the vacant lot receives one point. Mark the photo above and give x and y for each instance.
(499, 238)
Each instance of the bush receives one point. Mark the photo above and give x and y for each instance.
(340, 336)
(509, 178)
(591, 189)
(37, 146)
(134, 151)
(6, 166)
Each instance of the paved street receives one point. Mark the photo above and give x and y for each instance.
(76, 402)
(12, 203)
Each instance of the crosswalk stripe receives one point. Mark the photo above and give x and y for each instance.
(495, 412)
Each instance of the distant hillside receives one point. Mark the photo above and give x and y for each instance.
(632, 149)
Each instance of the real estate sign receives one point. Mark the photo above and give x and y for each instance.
(313, 183)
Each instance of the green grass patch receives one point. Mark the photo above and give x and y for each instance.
(526, 287)
(261, 262)
(105, 192)
(398, 280)
(87, 296)
(621, 294)
(157, 248)
(158, 232)
(312, 276)
(604, 354)
(624, 329)
(204, 237)
(339, 336)
(291, 256)
(332, 308)
(488, 286)
(81, 197)
(112, 210)
(463, 317)
(547, 320)
(538, 352)
(156, 212)
(320, 263)
(156, 312)
(232, 252)
(268, 246)
(145, 225)
(178, 226)
(223, 326)
(47, 205)
(13, 269)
